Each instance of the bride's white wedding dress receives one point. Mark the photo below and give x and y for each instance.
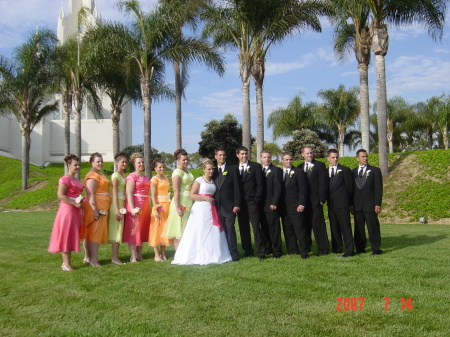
(203, 241)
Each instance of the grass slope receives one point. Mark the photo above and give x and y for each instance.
(284, 297)
(416, 186)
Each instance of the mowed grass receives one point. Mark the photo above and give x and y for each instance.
(283, 297)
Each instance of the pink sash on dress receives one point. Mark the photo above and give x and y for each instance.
(215, 214)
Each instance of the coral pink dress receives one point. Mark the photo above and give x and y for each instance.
(65, 235)
(141, 224)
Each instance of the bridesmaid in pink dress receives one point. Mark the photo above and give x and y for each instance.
(65, 237)
(137, 219)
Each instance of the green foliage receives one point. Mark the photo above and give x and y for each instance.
(305, 137)
(225, 133)
(129, 150)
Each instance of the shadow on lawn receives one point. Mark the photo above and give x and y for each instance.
(393, 243)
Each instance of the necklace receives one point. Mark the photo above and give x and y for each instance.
(209, 182)
(162, 179)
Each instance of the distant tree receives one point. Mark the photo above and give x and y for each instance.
(169, 160)
(195, 160)
(305, 137)
(26, 82)
(225, 133)
(272, 147)
(129, 150)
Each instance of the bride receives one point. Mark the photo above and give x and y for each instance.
(204, 240)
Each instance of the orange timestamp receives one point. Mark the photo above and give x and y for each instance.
(357, 304)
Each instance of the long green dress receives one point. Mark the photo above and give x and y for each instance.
(115, 228)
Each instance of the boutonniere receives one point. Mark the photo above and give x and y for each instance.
(224, 173)
(337, 171)
(367, 173)
(311, 166)
(267, 172)
(247, 169)
(291, 174)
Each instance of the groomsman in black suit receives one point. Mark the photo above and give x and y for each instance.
(367, 203)
(292, 207)
(228, 198)
(270, 217)
(252, 194)
(318, 190)
(340, 199)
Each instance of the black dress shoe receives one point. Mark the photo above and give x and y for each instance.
(347, 255)
(248, 254)
(277, 256)
(269, 251)
(361, 251)
(377, 252)
(235, 258)
(337, 251)
(304, 256)
(262, 257)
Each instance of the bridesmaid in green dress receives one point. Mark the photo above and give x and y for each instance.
(181, 203)
(115, 225)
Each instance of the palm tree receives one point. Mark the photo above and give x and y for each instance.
(430, 13)
(339, 110)
(25, 87)
(355, 35)
(398, 113)
(231, 27)
(148, 45)
(296, 116)
(182, 14)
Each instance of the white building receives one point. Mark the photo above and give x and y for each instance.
(47, 139)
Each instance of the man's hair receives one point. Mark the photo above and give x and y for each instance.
(306, 147)
(219, 149)
(287, 153)
(241, 148)
(330, 151)
(360, 150)
(265, 151)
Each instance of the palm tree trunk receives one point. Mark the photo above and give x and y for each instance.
(77, 142)
(26, 141)
(365, 104)
(115, 120)
(382, 112)
(341, 131)
(146, 103)
(178, 93)
(430, 138)
(67, 106)
(390, 135)
(245, 71)
(258, 71)
(445, 136)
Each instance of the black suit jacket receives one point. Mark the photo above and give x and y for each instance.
(274, 181)
(228, 193)
(318, 182)
(295, 191)
(341, 188)
(368, 189)
(252, 183)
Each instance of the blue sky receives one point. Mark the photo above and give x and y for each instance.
(417, 68)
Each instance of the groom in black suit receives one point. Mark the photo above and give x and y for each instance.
(228, 198)
(340, 198)
(367, 203)
(252, 195)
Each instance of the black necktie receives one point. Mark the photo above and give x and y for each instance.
(285, 174)
(306, 170)
(361, 170)
(332, 172)
(220, 170)
(264, 169)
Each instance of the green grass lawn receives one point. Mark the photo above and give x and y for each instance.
(283, 297)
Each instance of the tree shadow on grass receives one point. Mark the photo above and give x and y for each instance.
(393, 243)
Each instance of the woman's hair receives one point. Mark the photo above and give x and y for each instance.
(93, 156)
(179, 152)
(119, 156)
(157, 161)
(135, 156)
(69, 158)
(205, 162)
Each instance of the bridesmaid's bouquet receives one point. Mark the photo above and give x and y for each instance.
(79, 199)
(122, 211)
(103, 212)
(136, 210)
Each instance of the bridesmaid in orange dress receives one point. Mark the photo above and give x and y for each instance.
(65, 237)
(137, 219)
(159, 188)
(95, 210)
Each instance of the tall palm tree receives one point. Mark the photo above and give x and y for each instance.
(398, 113)
(183, 14)
(355, 35)
(26, 85)
(230, 23)
(148, 46)
(430, 13)
(296, 116)
(278, 20)
(339, 110)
